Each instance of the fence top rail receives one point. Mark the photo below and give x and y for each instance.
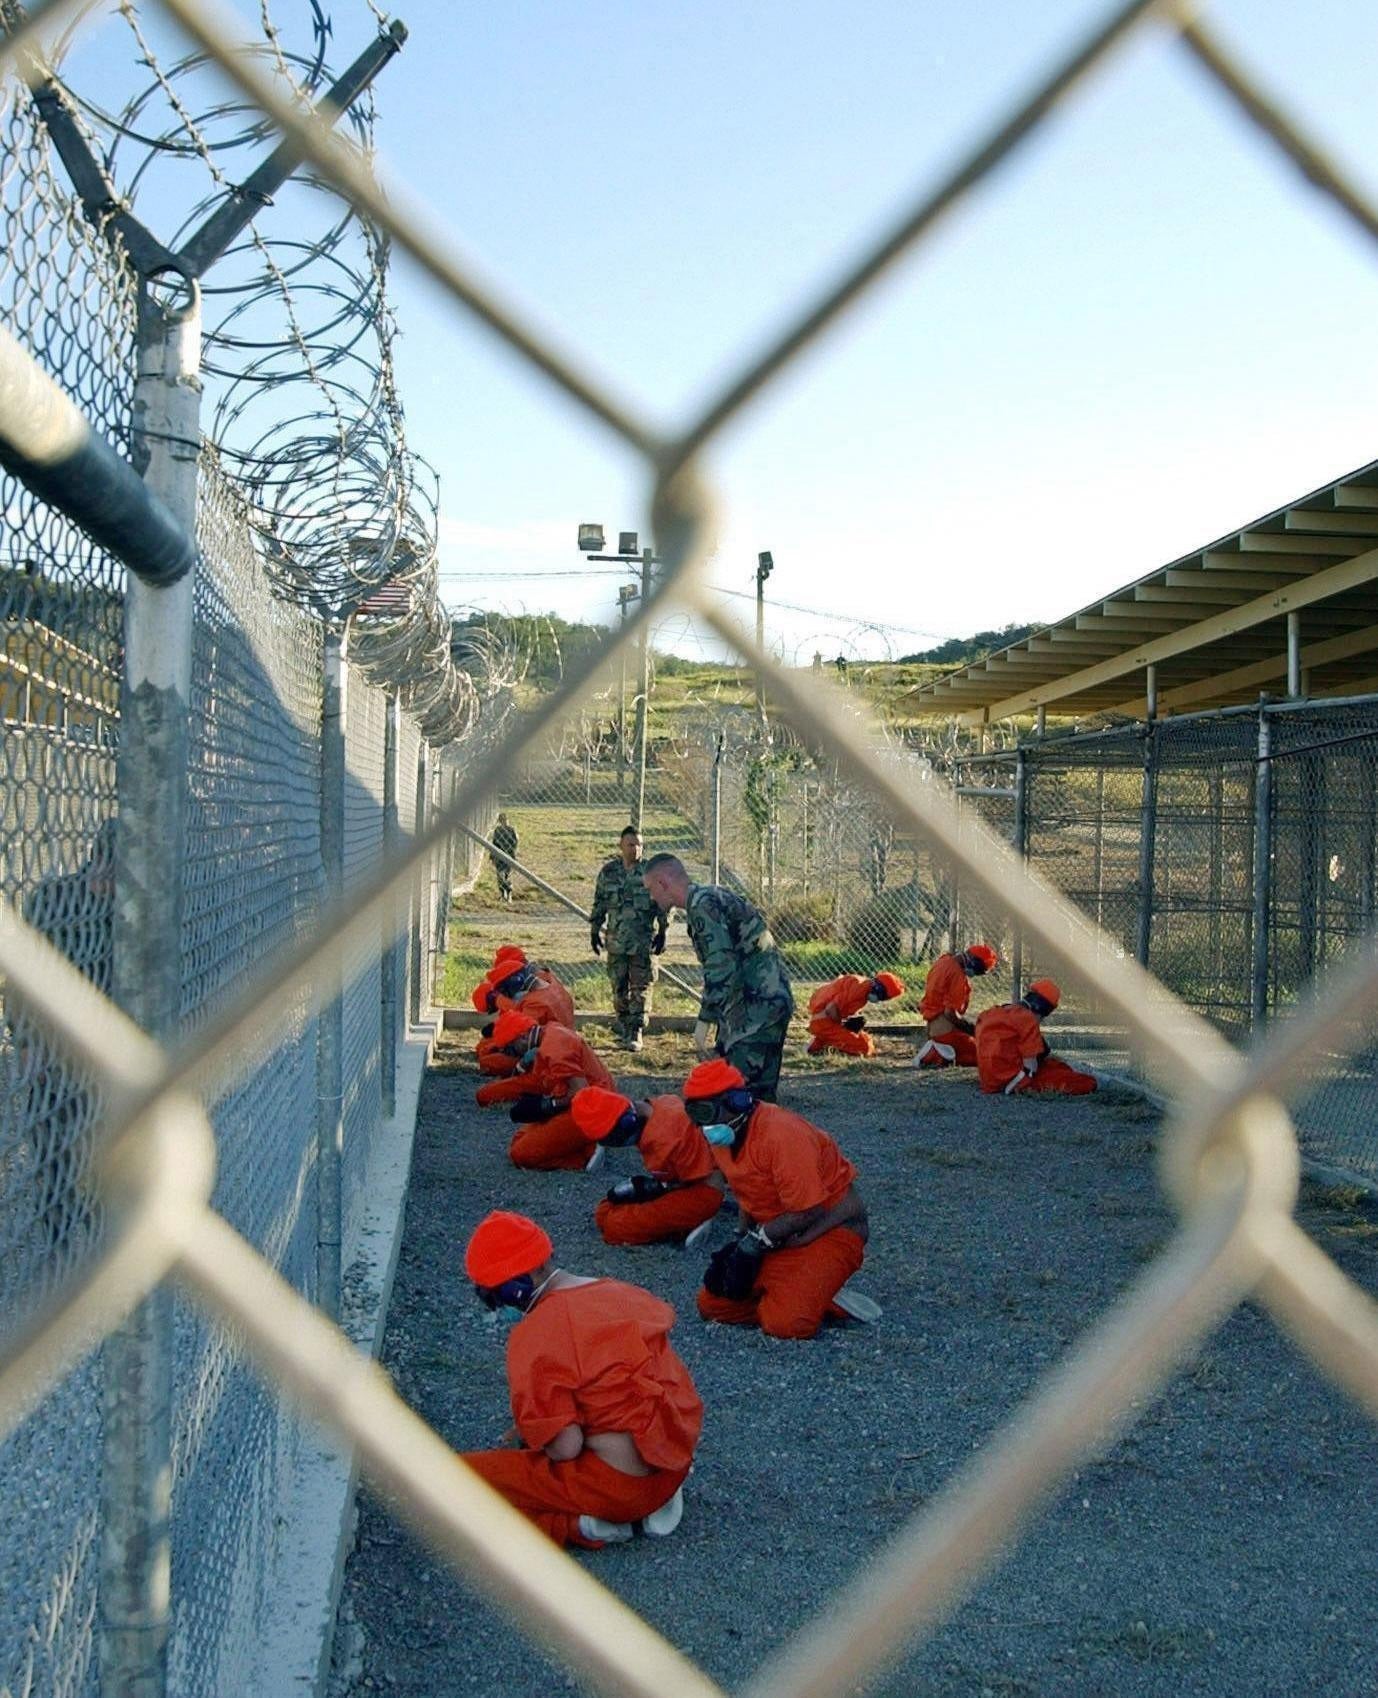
(1137, 728)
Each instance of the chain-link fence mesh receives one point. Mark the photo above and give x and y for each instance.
(64, 293)
(1162, 835)
(252, 879)
(1237, 1237)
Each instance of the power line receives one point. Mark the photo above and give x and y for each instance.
(828, 613)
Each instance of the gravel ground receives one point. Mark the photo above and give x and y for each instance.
(1224, 1546)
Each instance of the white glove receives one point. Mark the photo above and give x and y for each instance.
(701, 1043)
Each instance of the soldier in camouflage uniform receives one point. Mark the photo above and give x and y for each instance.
(635, 934)
(746, 991)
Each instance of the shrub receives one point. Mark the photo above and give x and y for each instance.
(803, 919)
(880, 927)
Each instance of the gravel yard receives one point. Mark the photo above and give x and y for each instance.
(1225, 1546)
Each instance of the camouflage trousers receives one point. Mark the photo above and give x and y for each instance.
(757, 1054)
(631, 977)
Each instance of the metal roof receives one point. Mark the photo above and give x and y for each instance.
(1213, 624)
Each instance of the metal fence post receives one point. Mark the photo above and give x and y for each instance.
(330, 1026)
(1148, 828)
(433, 927)
(715, 835)
(418, 901)
(388, 1056)
(1019, 840)
(1263, 871)
(146, 944)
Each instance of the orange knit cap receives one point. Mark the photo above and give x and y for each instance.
(892, 986)
(510, 1025)
(1047, 990)
(597, 1111)
(712, 1078)
(983, 953)
(482, 991)
(504, 1245)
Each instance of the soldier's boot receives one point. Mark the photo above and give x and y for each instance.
(633, 1040)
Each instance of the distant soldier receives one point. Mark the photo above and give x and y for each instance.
(505, 842)
(746, 991)
(635, 935)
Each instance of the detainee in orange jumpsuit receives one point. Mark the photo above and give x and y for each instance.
(949, 1037)
(606, 1412)
(1012, 1054)
(681, 1189)
(836, 1020)
(804, 1222)
(515, 982)
(552, 1064)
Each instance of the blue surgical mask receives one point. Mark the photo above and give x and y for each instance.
(507, 1314)
(719, 1134)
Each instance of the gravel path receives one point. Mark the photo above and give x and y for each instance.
(1225, 1546)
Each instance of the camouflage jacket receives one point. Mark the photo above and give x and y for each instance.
(505, 839)
(623, 901)
(745, 985)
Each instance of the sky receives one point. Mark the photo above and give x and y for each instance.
(1143, 332)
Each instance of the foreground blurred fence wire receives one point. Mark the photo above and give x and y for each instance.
(276, 727)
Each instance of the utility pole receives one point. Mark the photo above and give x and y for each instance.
(643, 700)
(765, 565)
(626, 594)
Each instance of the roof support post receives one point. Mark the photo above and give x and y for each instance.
(1019, 841)
(1293, 654)
(1263, 870)
(1148, 826)
(1150, 691)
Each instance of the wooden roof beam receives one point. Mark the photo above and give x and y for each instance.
(1336, 579)
(1334, 524)
(1289, 565)
(1357, 495)
(1279, 542)
(1208, 691)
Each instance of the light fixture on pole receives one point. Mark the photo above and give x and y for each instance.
(628, 552)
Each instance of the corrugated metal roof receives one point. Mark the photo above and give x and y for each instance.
(1213, 624)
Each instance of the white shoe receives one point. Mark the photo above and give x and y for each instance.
(858, 1307)
(700, 1234)
(595, 1161)
(610, 1532)
(660, 1523)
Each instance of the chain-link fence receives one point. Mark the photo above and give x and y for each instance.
(162, 1218)
(1232, 853)
(251, 878)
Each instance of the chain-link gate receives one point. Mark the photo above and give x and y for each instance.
(1229, 1159)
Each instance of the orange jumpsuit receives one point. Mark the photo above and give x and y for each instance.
(1006, 1037)
(561, 1058)
(597, 1355)
(946, 994)
(547, 1002)
(851, 994)
(673, 1149)
(787, 1164)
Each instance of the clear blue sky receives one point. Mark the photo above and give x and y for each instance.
(1143, 332)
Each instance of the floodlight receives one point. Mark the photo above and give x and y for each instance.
(590, 538)
(627, 543)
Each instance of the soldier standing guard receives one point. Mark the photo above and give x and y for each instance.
(635, 934)
(746, 991)
(505, 845)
